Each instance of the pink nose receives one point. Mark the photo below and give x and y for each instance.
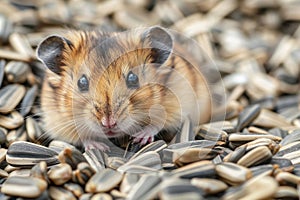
(108, 122)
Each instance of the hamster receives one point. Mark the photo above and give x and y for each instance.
(137, 83)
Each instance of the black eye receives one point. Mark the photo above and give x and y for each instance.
(132, 80)
(83, 84)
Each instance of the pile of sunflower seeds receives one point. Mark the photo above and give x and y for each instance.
(253, 154)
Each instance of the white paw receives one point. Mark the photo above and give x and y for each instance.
(95, 145)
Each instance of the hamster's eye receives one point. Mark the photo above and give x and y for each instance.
(132, 80)
(83, 84)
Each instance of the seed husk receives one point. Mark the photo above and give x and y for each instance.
(40, 171)
(28, 100)
(128, 182)
(101, 196)
(103, 181)
(287, 178)
(33, 129)
(17, 72)
(213, 134)
(255, 188)
(83, 173)
(209, 186)
(255, 156)
(74, 188)
(26, 153)
(233, 174)
(193, 155)
(247, 116)
(269, 119)
(286, 192)
(71, 156)
(2, 65)
(201, 169)
(145, 188)
(149, 159)
(27, 187)
(60, 174)
(12, 120)
(58, 193)
(266, 169)
(96, 158)
(156, 146)
(179, 189)
(11, 95)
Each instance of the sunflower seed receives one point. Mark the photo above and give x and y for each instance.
(6, 28)
(270, 119)
(267, 169)
(96, 158)
(179, 189)
(60, 174)
(145, 188)
(16, 71)
(11, 95)
(201, 169)
(58, 146)
(20, 173)
(149, 159)
(20, 43)
(40, 171)
(233, 174)
(292, 137)
(283, 163)
(28, 100)
(248, 116)
(256, 156)
(128, 182)
(2, 66)
(33, 129)
(285, 178)
(74, 188)
(193, 155)
(213, 134)
(101, 196)
(103, 181)
(26, 153)
(3, 133)
(156, 146)
(27, 187)
(57, 193)
(71, 156)
(115, 162)
(209, 186)
(83, 173)
(286, 192)
(236, 154)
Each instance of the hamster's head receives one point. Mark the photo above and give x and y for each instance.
(111, 84)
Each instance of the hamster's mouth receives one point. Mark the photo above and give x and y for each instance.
(110, 133)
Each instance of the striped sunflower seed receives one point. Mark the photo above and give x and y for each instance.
(57, 193)
(209, 186)
(233, 174)
(60, 174)
(27, 187)
(256, 156)
(103, 181)
(26, 153)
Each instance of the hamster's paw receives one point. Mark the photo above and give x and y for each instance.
(95, 145)
(143, 137)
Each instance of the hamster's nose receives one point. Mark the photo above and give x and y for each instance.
(108, 122)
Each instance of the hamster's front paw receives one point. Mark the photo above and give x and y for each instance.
(90, 144)
(144, 136)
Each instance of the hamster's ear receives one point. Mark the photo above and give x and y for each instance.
(161, 43)
(50, 52)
